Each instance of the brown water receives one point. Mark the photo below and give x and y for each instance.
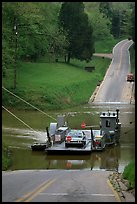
(19, 138)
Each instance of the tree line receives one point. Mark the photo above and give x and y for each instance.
(70, 29)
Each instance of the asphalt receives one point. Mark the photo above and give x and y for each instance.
(128, 94)
(74, 179)
(124, 194)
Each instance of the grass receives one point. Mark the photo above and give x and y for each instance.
(106, 46)
(55, 85)
(132, 58)
(50, 86)
(129, 174)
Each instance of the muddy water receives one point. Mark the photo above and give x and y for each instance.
(19, 138)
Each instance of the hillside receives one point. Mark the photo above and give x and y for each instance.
(54, 85)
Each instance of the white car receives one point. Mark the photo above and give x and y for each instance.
(75, 138)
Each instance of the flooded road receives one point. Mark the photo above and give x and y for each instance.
(19, 138)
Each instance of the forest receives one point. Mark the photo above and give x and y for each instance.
(47, 45)
(31, 30)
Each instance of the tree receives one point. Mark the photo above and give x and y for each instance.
(99, 21)
(74, 21)
(29, 31)
(7, 38)
(106, 9)
(119, 14)
(133, 24)
(116, 24)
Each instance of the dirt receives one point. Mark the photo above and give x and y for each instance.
(103, 55)
(128, 93)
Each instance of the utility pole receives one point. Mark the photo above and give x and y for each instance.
(16, 26)
(16, 42)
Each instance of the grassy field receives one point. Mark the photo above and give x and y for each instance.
(106, 46)
(55, 85)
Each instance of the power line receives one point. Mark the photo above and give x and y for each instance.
(29, 103)
(18, 118)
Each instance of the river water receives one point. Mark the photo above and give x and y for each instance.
(19, 138)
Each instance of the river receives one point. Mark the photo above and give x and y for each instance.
(19, 138)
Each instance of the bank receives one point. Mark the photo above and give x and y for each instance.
(51, 85)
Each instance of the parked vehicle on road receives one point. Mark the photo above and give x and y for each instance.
(75, 138)
(130, 77)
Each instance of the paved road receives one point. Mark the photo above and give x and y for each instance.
(72, 185)
(57, 186)
(114, 85)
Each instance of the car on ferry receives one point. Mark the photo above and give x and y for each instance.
(75, 138)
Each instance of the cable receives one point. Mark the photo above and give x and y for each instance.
(18, 119)
(29, 104)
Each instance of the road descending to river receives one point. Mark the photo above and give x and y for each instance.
(57, 186)
(73, 185)
(115, 88)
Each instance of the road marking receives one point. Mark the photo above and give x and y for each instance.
(55, 194)
(109, 69)
(81, 194)
(121, 53)
(115, 192)
(30, 193)
(29, 196)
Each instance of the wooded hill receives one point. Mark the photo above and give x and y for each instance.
(46, 46)
(34, 29)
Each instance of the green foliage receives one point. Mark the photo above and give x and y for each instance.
(74, 21)
(7, 38)
(106, 9)
(39, 33)
(116, 24)
(110, 19)
(132, 58)
(121, 19)
(51, 86)
(132, 24)
(129, 174)
(101, 24)
(119, 14)
(6, 158)
(36, 25)
(105, 46)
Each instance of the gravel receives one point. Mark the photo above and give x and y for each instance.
(122, 187)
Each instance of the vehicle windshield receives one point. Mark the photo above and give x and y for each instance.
(75, 134)
(96, 132)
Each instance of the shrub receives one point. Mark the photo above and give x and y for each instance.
(129, 174)
(6, 159)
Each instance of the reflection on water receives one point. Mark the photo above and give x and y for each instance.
(112, 158)
(109, 159)
(106, 159)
